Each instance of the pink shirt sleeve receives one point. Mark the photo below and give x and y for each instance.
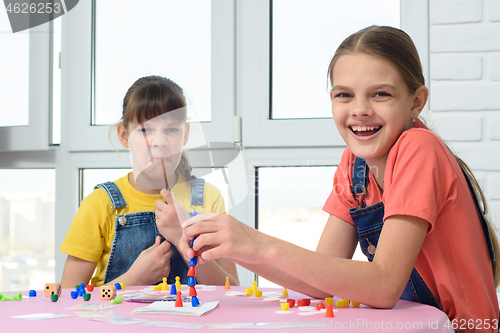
(341, 199)
(420, 177)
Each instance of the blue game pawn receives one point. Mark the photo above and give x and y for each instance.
(194, 301)
(192, 241)
(82, 285)
(32, 293)
(193, 261)
(191, 281)
(118, 286)
(81, 292)
(74, 294)
(173, 290)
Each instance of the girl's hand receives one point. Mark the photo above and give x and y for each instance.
(152, 265)
(222, 236)
(169, 215)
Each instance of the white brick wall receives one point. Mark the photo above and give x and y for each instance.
(465, 86)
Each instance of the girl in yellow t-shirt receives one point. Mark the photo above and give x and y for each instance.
(125, 231)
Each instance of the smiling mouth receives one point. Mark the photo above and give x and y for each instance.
(364, 130)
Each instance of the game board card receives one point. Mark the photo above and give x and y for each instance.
(92, 307)
(41, 316)
(120, 320)
(174, 325)
(97, 314)
(170, 308)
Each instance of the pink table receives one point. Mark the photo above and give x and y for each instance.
(408, 316)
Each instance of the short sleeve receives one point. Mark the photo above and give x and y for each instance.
(420, 177)
(85, 238)
(341, 199)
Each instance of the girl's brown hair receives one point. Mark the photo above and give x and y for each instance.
(396, 46)
(152, 96)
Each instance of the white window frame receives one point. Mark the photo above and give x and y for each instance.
(77, 71)
(34, 136)
(253, 58)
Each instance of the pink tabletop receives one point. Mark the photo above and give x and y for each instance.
(408, 316)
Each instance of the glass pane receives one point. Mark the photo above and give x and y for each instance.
(157, 37)
(305, 35)
(56, 81)
(14, 71)
(92, 177)
(290, 201)
(27, 206)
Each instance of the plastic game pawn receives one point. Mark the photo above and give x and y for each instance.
(191, 281)
(284, 293)
(178, 283)
(164, 285)
(191, 271)
(329, 310)
(194, 301)
(254, 286)
(227, 286)
(192, 291)
(178, 300)
(173, 289)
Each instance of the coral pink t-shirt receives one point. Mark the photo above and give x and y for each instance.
(423, 179)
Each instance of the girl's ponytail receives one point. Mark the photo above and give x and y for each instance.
(185, 168)
(482, 202)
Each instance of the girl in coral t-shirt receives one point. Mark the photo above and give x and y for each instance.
(398, 191)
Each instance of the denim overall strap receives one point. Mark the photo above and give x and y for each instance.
(114, 194)
(369, 222)
(359, 180)
(135, 233)
(197, 195)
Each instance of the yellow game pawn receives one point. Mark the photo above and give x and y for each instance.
(178, 283)
(164, 285)
(284, 293)
(227, 286)
(254, 286)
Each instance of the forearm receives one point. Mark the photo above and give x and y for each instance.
(284, 279)
(364, 282)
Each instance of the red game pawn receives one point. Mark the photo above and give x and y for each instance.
(178, 300)
(329, 311)
(192, 291)
(191, 271)
(320, 306)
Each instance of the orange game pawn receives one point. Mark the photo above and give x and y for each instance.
(329, 311)
(178, 300)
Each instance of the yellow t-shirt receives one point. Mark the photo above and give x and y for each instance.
(91, 233)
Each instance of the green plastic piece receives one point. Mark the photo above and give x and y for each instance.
(117, 300)
(86, 297)
(15, 297)
(54, 297)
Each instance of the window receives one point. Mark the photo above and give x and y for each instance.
(14, 66)
(27, 220)
(284, 63)
(135, 39)
(301, 52)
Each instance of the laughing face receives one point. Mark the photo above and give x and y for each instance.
(371, 105)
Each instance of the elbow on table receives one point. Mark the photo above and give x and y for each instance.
(387, 297)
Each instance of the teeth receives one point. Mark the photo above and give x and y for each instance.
(364, 128)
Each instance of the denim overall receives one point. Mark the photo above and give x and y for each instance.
(136, 232)
(369, 222)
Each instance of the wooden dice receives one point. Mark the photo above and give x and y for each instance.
(108, 292)
(52, 288)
